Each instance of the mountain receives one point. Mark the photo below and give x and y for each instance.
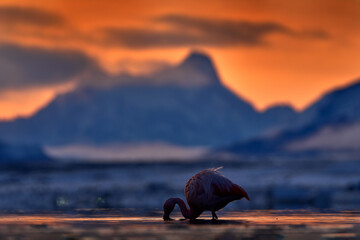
(183, 105)
(12, 153)
(278, 118)
(339, 105)
(196, 70)
(331, 137)
(330, 124)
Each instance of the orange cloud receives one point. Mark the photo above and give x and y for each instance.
(311, 47)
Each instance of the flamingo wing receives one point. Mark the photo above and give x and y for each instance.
(198, 189)
(194, 191)
(223, 187)
(209, 190)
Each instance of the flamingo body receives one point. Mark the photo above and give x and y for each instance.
(208, 190)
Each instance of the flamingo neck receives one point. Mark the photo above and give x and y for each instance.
(187, 213)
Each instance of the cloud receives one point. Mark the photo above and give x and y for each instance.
(141, 67)
(225, 31)
(189, 31)
(13, 15)
(315, 33)
(162, 32)
(23, 67)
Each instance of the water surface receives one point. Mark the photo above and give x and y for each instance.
(231, 225)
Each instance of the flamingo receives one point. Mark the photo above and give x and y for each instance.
(207, 190)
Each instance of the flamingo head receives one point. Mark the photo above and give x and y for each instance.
(245, 195)
(236, 189)
(168, 208)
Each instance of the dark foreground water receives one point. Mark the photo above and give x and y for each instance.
(263, 224)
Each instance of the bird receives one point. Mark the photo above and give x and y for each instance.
(207, 190)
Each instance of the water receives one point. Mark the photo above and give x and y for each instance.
(262, 224)
(271, 184)
(124, 201)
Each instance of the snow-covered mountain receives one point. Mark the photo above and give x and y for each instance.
(335, 120)
(330, 124)
(183, 105)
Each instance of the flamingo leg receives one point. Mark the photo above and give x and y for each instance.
(214, 217)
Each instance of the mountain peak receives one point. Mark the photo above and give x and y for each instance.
(196, 70)
(201, 63)
(198, 57)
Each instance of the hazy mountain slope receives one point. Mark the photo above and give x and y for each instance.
(343, 137)
(12, 153)
(199, 116)
(329, 124)
(184, 104)
(277, 118)
(341, 104)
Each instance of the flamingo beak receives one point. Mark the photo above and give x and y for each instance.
(246, 195)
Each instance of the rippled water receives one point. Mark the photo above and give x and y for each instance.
(232, 225)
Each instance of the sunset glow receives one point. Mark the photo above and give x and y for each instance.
(268, 52)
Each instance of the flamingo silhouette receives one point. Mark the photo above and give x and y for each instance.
(207, 190)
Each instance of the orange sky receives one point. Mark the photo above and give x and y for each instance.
(318, 50)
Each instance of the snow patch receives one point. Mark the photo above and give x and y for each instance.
(330, 138)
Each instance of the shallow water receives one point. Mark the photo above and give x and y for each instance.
(231, 225)
(284, 184)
